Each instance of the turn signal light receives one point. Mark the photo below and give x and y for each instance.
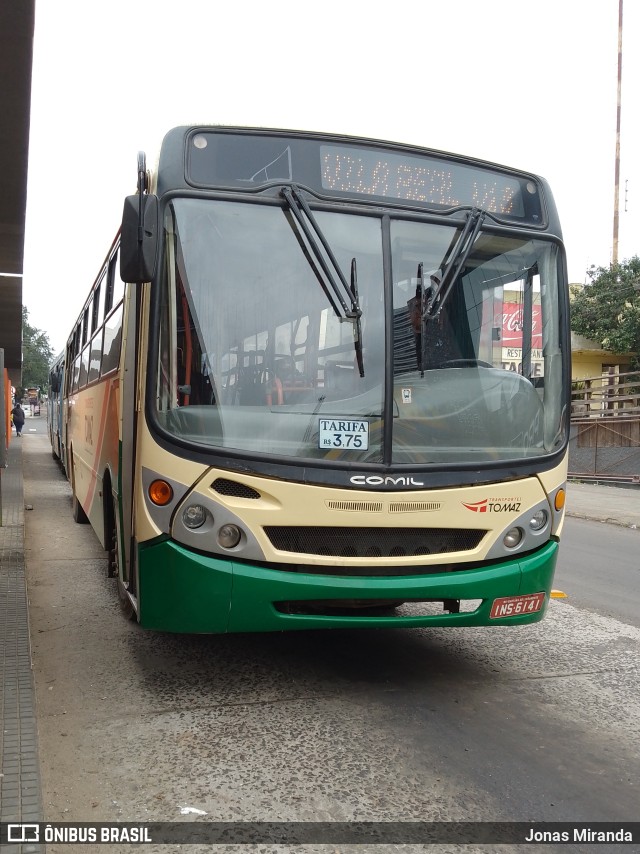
(160, 492)
(560, 499)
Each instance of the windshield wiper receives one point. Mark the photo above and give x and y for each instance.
(357, 326)
(433, 298)
(457, 259)
(338, 287)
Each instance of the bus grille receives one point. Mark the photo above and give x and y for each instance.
(372, 543)
(231, 487)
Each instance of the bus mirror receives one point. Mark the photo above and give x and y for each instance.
(139, 238)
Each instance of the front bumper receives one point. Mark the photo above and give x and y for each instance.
(184, 591)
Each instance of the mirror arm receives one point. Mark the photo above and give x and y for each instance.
(139, 231)
(142, 186)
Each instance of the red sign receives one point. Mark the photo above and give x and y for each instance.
(512, 314)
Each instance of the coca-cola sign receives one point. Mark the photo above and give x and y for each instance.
(512, 321)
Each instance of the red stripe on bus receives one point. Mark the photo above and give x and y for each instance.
(98, 450)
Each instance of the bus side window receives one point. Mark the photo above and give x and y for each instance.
(84, 367)
(112, 339)
(97, 313)
(114, 285)
(95, 356)
(76, 341)
(85, 325)
(76, 374)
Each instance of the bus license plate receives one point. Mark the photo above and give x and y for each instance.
(344, 433)
(511, 606)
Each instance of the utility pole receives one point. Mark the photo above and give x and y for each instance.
(616, 197)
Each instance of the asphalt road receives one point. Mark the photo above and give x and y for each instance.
(538, 723)
(599, 569)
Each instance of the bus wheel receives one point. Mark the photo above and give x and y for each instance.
(79, 515)
(126, 606)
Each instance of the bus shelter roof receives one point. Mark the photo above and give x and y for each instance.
(16, 56)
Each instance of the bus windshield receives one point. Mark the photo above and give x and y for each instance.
(253, 357)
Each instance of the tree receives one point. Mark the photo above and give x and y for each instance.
(607, 309)
(36, 356)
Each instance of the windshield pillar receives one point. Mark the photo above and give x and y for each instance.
(387, 445)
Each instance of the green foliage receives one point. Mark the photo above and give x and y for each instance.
(607, 308)
(36, 356)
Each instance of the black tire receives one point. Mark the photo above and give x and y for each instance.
(79, 515)
(126, 605)
(111, 535)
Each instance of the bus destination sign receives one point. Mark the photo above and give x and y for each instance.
(253, 159)
(418, 179)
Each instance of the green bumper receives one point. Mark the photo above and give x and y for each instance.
(182, 591)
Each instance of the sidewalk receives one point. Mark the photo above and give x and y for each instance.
(617, 505)
(20, 788)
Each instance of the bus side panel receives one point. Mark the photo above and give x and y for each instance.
(94, 438)
(182, 591)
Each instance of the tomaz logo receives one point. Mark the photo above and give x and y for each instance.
(494, 505)
(477, 506)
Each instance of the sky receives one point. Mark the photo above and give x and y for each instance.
(527, 83)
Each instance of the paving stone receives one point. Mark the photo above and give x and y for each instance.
(20, 785)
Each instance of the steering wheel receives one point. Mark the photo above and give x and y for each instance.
(465, 363)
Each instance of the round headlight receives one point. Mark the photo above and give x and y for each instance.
(194, 516)
(512, 538)
(538, 520)
(229, 536)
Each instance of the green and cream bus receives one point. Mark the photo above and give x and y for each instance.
(333, 392)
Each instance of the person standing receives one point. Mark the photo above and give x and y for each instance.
(18, 418)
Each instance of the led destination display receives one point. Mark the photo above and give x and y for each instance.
(253, 159)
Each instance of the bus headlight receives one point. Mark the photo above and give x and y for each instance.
(194, 516)
(229, 536)
(512, 538)
(538, 520)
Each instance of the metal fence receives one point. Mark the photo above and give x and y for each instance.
(604, 442)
